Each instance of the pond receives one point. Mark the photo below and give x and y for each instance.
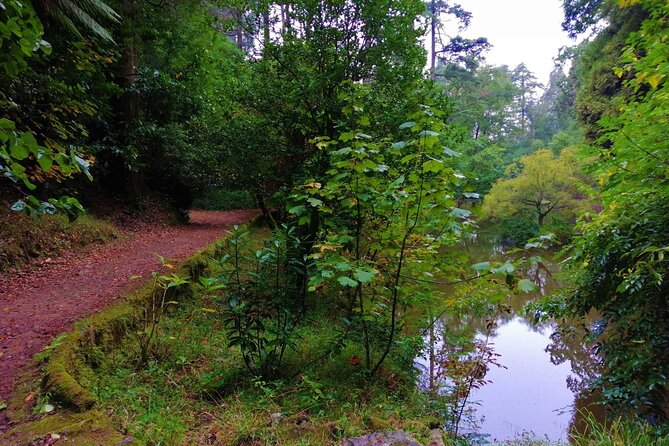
(531, 393)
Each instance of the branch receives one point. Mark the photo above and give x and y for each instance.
(651, 154)
(439, 282)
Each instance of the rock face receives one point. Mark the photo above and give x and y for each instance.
(396, 438)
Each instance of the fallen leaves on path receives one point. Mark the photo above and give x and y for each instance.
(41, 301)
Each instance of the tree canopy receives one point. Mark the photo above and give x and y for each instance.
(542, 184)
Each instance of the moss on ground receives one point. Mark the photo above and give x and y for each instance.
(90, 428)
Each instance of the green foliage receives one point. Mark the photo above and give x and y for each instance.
(224, 200)
(20, 36)
(619, 432)
(84, 13)
(618, 263)
(544, 184)
(384, 209)
(264, 302)
(484, 99)
(166, 400)
(484, 163)
(149, 332)
(517, 230)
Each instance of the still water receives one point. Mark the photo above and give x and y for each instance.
(531, 394)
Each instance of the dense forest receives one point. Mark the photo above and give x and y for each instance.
(376, 141)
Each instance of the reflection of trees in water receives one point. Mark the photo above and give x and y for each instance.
(458, 359)
(460, 350)
(567, 345)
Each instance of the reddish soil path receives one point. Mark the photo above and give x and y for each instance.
(38, 303)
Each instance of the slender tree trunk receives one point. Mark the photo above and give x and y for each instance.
(432, 358)
(433, 40)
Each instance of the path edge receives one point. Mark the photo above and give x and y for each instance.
(67, 363)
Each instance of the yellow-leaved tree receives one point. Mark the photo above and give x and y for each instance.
(540, 184)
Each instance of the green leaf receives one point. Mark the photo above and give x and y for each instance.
(19, 151)
(482, 266)
(451, 153)
(83, 166)
(297, 210)
(527, 286)
(435, 166)
(369, 164)
(44, 160)
(347, 281)
(363, 276)
(343, 151)
(315, 202)
(460, 213)
(506, 268)
(6, 124)
(407, 125)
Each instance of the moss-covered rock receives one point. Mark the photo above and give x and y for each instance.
(91, 428)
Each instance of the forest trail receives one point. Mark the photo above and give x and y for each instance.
(42, 301)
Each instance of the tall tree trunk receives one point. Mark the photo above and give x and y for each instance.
(129, 102)
(266, 29)
(240, 30)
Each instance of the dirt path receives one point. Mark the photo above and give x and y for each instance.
(41, 302)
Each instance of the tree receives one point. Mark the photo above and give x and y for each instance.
(451, 50)
(527, 84)
(386, 209)
(316, 53)
(552, 112)
(544, 184)
(483, 100)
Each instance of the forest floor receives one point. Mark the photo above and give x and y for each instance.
(44, 299)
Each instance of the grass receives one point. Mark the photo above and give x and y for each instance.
(196, 391)
(198, 394)
(619, 432)
(24, 238)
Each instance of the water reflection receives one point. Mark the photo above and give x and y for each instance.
(543, 368)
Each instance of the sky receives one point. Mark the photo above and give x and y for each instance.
(526, 31)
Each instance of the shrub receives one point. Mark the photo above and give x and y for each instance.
(224, 200)
(518, 230)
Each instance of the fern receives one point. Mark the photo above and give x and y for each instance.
(86, 14)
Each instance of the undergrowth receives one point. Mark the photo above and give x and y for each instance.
(195, 389)
(199, 393)
(24, 238)
(224, 200)
(619, 432)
